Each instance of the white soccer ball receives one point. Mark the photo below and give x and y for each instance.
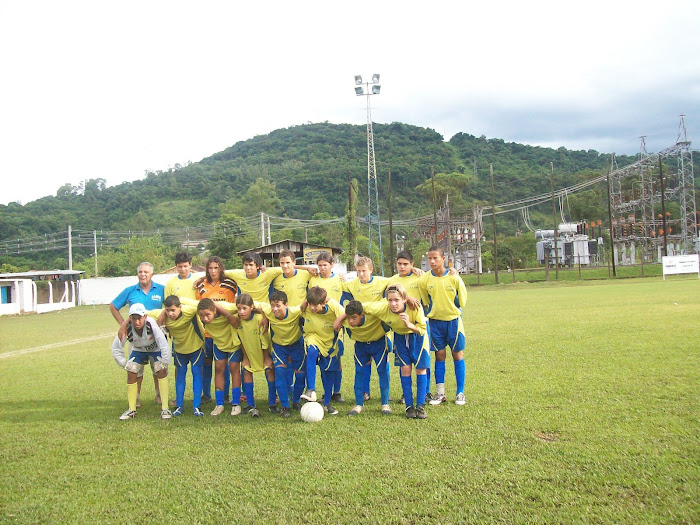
(312, 412)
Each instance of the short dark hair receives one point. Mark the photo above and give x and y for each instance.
(252, 257)
(288, 253)
(405, 254)
(354, 308)
(182, 257)
(206, 304)
(171, 300)
(316, 295)
(279, 295)
(436, 248)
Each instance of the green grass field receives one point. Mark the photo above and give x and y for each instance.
(583, 405)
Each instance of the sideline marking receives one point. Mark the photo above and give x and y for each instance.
(54, 345)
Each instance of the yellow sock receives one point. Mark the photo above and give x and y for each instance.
(132, 391)
(163, 387)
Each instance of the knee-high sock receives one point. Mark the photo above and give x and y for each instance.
(219, 395)
(421, 386)
(383, 373)
(180, 377)
(407, 387)
(206, 379)
(196, 386)
(163, 386)
(227, 381)
(282, 386)
(299, 383)
(290, 377)
(439, 372)
(337, 381)
(132, 392)
(427, 379)
(367, 379)
(361, 374)
(311, 358)
(460, 373)
(328, 379)
(236, 395)
(272, 391)
(248, 391)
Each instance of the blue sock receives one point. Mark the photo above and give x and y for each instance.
(439, 372)
(460, 373)
(219, 397)
(383, 373)
(206, 379)
(311, 359)
(196, 386)
(427, 379)
(180, 376)
(337, 381)
(289, 377)
(421, 385)
(299, 383)
(328, 380)
(367, 378)
(407, 387)
(272, 391)
(248, 390)
(227, 380)
(361, 372)
(282, 386)
(236, 395)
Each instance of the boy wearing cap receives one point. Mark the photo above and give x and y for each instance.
(147, 342)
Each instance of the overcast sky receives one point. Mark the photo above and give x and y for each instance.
(101, 89)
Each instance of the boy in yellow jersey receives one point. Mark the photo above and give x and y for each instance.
(293, 281)
(251, 279)
(147, 343)
(216, 317)
(182, 284)
(187, 334)
(444, 296)
(288, 353)
(333, 285)
(320, 313)
(410, 344)
(370, 343)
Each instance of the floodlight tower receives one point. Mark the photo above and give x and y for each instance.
(374, 226)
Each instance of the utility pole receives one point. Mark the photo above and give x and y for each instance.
(432, 178)
(391, 230)
(554, 219)
(94, 240)
(612, 245)
(70, 248)
(493, 216)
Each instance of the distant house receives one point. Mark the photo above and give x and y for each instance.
(305, 252)
(38, 291)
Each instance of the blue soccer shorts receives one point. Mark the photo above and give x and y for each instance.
(447, 333)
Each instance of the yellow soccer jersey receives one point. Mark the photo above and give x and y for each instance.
(254, 342)
(294, 287)
(284, 331)
(259, 287)
(186, 331)
(318, 328)
(367, 292)
(370, 330)
(332, 285)
(443, 296)
(181, 287)
(221, 331)
(410, 283)
(381, 310)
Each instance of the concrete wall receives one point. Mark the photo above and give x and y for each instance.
(103, 290)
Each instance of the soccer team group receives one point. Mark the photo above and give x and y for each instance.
(290, 322)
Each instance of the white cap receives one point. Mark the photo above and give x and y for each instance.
(137, 309)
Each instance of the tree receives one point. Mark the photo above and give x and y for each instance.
(262, 197)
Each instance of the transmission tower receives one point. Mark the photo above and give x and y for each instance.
(373, 222)
(686, 190)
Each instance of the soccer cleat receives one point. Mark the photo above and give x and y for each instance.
(166, 414)
(296, 406)
(206, 399)
(273, 409)
(365, 397)
(309, 395)
(410, 412)
(402, 400)
(218, 410)
(428, 396)
(420, 412)
(338, 398)
(177, 411)
(461, 399)
(138, 402)
(197, 412)
(157, 399)
(330, 410)
(386, 410)
(254, 412)
(285, 412)
(355, 410)
(438, 399)
(235, 410)
(129, 414)
(172, 403)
